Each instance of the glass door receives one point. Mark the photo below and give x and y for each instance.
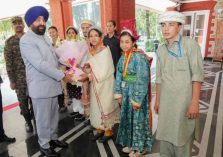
(188, 26)
(200, 30)
(196, 25)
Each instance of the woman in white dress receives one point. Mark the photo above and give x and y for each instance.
(104, 112)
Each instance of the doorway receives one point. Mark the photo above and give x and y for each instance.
(196, 25)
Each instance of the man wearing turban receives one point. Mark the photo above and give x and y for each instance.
(179, 74)
(43, 79)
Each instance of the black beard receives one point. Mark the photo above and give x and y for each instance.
(39, 31)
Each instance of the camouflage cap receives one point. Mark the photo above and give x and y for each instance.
(16, 18)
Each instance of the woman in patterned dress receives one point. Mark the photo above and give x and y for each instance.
(131, 91)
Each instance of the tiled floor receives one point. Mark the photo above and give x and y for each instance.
(78, 136)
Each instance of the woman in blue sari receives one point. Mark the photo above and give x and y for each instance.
(131, 91)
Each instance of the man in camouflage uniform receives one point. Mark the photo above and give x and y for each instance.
(16, 69)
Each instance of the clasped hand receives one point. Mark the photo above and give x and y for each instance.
(68, 78)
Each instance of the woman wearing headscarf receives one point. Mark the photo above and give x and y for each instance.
(103, 110)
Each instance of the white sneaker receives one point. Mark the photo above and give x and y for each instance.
(127, 150)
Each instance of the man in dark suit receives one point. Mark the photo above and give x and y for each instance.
(3, 136)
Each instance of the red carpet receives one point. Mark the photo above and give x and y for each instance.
(8, 107)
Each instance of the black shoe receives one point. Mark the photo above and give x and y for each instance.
(91, 128)
(57, 143)
(73, 114)
(7, 139)
(79, 117)
(97, 136)
(29, 127)
(104, 139)
(87, 122)
(48, 152)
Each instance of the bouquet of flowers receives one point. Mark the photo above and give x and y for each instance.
(73, 69)
(70, 54)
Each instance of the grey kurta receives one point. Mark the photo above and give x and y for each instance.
(175, 76)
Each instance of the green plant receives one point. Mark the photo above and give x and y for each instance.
(149, 45)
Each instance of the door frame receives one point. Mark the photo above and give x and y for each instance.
(193, 23)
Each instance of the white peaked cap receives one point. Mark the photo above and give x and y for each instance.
(90, 22)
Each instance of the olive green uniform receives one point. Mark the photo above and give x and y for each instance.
(16, 72)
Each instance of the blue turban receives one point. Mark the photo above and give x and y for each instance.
(34, 12)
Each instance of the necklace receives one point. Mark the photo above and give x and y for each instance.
(126, 61)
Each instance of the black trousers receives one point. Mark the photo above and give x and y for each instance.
(2, 132)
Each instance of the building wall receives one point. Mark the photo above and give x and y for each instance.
(218, 49)
(117, 10)
(61, 15)
(204, 5)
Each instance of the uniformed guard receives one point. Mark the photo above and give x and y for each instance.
(16, 69)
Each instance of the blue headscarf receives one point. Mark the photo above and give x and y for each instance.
(34, 12)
